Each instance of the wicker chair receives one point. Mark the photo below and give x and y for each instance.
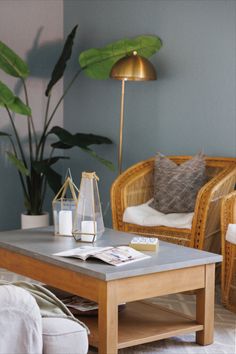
(228, 273)
(135, 186)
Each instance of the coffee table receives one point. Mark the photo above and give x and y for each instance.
(171, 270)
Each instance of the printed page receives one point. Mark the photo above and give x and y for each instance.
(80, 304)
(82, 252)
(121, 255)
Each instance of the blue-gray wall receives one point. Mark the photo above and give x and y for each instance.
(190, 107)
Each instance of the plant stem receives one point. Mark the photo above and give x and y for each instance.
(20, 148)
(45, 181)
(20, 175)
(42, 139)
(29, 122)
(45, 123)
(47, 109)
(62, 97)
(30, 117)
(17, 137)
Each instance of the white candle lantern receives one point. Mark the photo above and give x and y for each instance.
(64, 208)
(88, 222)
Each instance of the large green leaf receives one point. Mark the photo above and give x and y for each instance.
(97, 63)
(14, 103)
(60, 66)
(68, 140)
(18, 164)
(53, 178)
(18, 106)
(6, 95)
(11, 63)
(40, 166)
(92, 153)
(81, 140)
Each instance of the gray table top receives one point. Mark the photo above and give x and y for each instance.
(40, 244)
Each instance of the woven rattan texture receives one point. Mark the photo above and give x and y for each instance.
(228, 275)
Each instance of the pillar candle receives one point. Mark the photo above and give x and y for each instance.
(65, 222)
(90, 227)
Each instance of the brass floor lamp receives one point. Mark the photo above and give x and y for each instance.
(130, 68)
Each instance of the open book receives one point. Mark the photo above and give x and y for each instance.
(116, 256)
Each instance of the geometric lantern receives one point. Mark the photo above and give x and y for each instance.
(88, 221)
(64, 208)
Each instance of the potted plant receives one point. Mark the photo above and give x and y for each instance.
(34, 168)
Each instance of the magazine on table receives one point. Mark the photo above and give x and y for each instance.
(116, 256)
(80, 304)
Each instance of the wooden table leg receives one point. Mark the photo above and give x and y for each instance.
(108, 320)
(205, 307)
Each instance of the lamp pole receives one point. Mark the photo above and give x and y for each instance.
(121, 125)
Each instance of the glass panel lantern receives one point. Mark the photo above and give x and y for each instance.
(64, 208)
(88, 223)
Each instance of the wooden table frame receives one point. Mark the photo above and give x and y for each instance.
(109, 294)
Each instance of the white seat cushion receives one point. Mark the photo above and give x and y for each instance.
(144, 215)
(231, 233)
(64, 336)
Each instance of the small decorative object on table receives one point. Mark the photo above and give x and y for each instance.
(88, 223)
(144, 243)
(64, 208)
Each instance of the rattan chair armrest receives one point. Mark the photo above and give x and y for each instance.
(209, 199)
(228, 250)
(134, 186)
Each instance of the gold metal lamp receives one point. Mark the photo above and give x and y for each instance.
(130, 68)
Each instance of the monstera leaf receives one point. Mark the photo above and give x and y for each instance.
(97, 63)
(60, 66)
(7, 98)
(11, 63)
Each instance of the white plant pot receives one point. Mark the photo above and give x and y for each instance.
(32, 221)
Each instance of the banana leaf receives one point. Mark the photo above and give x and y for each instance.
(11, 63)
(14, 103)
(97, 63)
(18, 106)
(68, 141)
(39, 166)
(106, 163)
(53, 179)
(6, 95)
(18, 164)
(81, 140)
(60, 66)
